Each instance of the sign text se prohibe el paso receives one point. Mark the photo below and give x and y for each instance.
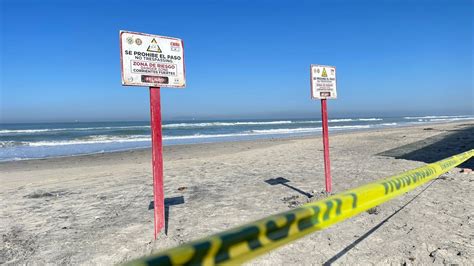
(151, 60)
(323, 82)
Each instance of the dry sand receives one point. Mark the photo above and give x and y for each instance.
(95, 209)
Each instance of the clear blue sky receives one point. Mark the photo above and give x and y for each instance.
(60, 59)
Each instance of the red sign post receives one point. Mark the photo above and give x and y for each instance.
(153, 61)
(327, 163)
(323, 86)
(157, 159)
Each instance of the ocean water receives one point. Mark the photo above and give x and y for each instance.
(33, 141)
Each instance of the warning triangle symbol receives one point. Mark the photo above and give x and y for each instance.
(324, 74)
(153, 47)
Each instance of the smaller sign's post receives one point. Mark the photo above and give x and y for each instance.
(327, 163)
(323, 86)
(153, 61)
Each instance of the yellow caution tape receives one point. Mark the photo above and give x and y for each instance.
(246, 242)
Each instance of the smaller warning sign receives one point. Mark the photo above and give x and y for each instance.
(323, 82)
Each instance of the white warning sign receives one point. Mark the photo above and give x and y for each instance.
(151, 60)
(323, 82)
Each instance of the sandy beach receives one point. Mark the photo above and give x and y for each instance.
(95, 209)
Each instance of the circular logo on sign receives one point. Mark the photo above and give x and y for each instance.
(138, 41)
(129, 40)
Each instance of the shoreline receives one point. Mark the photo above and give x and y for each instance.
(256, 139)
(94, 209)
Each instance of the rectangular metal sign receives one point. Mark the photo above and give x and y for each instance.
(323, 82)
(151, 60)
